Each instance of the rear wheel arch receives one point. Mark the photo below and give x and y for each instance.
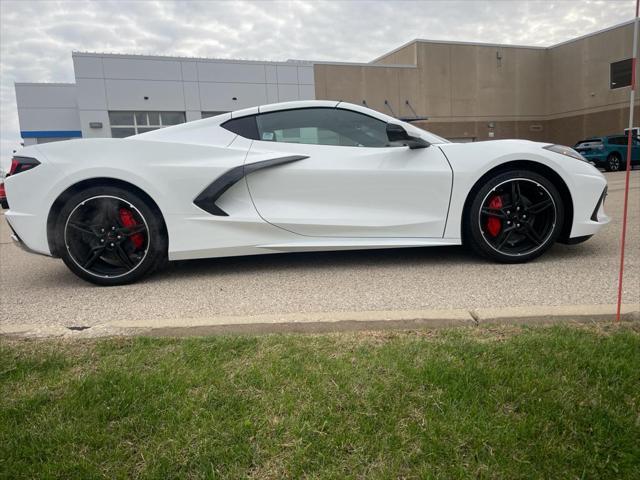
(58, 204)
(538, 168)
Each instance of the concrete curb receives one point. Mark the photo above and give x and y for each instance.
(555, 314)
(336, 321)
(311, 322)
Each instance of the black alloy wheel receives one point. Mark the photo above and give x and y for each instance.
(518, 215)
(109, 236)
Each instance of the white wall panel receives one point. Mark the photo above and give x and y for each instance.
(87, 66)
(141, 69)
(287, 93)
(307, 92)
(45, 95)
(88, 116)
(272, 93)
(219, 96)
(189, 71)
(191, 95)
(287, 74)
(231, 72)
(129, 95)
(193, 115)
(271, 73)
(91, 94)
(49, 118)
(305, 75)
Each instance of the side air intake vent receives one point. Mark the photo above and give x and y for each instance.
(210, 195)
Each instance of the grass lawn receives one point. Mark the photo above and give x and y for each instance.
(504, 402)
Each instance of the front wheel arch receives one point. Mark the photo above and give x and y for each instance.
(56, 208)
(536, 167)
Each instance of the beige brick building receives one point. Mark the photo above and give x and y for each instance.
(473, 91)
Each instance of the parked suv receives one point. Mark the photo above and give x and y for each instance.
(609, 152)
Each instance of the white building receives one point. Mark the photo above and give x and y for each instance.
(120, 95)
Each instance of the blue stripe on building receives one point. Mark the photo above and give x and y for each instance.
(51, 134)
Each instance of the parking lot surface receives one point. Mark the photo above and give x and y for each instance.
(40, 291)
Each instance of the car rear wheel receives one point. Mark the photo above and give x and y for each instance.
(514, 217)
(110, 236)
(613, 163)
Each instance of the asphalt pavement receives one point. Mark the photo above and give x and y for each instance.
(40, 292)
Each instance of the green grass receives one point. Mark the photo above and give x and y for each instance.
(510, 402)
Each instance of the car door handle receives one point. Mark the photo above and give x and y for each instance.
(206, 199)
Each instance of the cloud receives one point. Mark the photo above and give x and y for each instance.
(37, 37)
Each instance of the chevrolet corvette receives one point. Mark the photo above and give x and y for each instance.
(290, 177)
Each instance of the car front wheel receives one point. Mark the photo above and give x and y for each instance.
(110, 236)
(514, 217)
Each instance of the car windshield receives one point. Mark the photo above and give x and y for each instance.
(591, 143)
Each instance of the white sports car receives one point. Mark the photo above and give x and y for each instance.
(290, 177)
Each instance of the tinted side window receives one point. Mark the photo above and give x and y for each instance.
(618, 141)
(323, 126)
(620, 74)
(243, 126)
(623, 141)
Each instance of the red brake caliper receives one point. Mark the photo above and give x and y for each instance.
(126, 217)
(494, 224)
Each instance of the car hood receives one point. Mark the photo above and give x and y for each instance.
(498, 145)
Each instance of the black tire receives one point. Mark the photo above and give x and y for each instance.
(514, 232)
(614, 163)
(102, 244)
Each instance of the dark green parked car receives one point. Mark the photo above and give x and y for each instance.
(609, 152)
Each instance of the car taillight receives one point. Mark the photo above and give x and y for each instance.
(21, 164)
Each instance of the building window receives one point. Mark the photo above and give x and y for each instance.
(125, 124)
(211, 114)
(621, 74)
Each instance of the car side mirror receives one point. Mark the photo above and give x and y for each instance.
(397, 133)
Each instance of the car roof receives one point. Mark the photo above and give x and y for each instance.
(601, 139)
(275, 107)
